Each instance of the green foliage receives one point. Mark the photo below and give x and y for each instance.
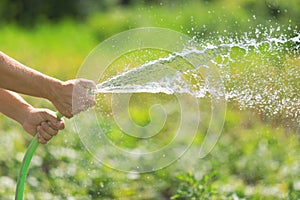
(192, 188)
(256, 157)
(206, 12)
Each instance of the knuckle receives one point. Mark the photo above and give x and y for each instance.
(44, 125)
(47, 137)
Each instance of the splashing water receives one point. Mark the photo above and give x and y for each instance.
(260, 73)
(142, 122)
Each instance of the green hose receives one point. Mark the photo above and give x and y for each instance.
(26, 162)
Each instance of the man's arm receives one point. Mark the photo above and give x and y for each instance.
(32, 119)
(17, 77)
(22, 79)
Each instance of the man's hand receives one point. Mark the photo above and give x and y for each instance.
(19, 78)
(44, 122)
(74, 97)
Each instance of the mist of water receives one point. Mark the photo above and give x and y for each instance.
(260, 72)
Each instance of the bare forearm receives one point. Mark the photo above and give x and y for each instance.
(19, 78)
(13, 106)
(32, 119)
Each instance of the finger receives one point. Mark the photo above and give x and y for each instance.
(83, 107)
(55, 123)
(48, 129)
(44, 134)
(41, 139)
(68, 114)
(89, 84)
(89, 101)
(60, 125)
(51, 116)
(92, 100)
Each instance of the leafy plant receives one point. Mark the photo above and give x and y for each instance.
(192, 188)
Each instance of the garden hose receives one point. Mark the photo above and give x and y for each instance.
(26, 162)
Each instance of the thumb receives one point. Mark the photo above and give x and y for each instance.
(89, 84)
(51, 117)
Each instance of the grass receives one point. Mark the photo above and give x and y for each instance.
(255, 158)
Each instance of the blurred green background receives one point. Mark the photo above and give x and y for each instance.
(255, 158)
